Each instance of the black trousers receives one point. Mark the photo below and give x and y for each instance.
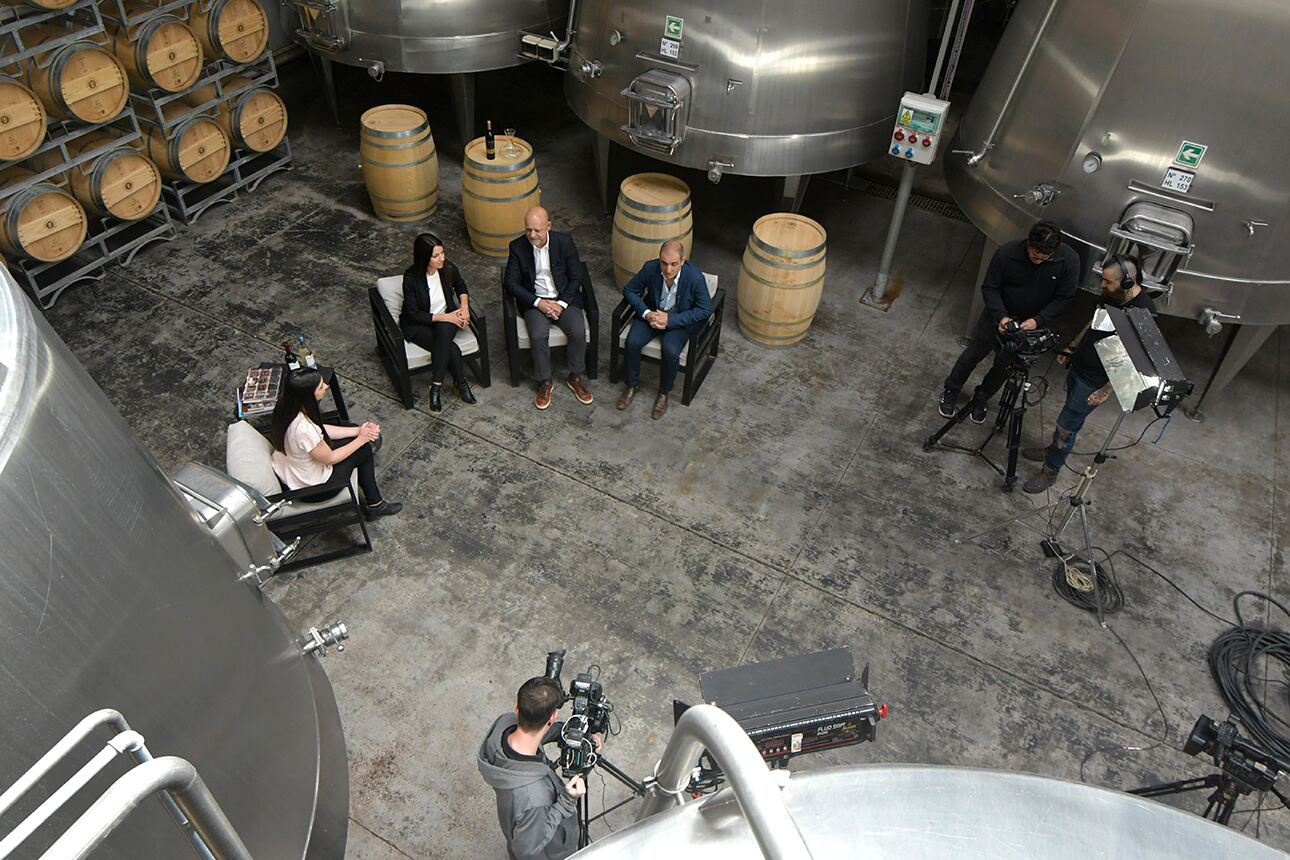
(445, 356)
(984, 341)
(364, 462)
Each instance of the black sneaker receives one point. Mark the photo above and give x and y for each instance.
(383, 508)
(949, 403)
(979, 409)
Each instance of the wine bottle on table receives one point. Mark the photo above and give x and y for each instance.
(293, 361)
(306, 354)
(490, 142)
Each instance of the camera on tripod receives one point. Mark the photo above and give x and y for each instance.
(1026, 344)
(591, 710)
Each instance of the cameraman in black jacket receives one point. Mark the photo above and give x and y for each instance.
(1031, 280)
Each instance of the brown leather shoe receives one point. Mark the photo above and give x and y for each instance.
(580, 390)
(625, 399)
(660, 407)
(543, 398)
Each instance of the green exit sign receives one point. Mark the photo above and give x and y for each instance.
(673, 27)
(1190, 154)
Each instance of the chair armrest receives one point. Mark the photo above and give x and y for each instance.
(589, 303)
(509, 311)
(334, 485)
(622, 315)
(479, 325)
(700, 339)
(381, 316)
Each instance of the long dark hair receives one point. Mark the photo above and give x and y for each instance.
(422, 250)
(295, 396)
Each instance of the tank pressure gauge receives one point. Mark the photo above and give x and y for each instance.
(1092, 162)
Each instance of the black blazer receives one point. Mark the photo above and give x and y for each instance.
(566, 271)
(416, 294)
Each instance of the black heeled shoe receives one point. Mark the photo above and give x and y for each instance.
(436, 398)
(467, 396)
(383, 508)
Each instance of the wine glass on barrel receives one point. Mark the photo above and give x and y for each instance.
(509, 149)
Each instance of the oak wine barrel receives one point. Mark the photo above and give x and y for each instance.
(496, 193)
(254, 118)
(80, 80)
(781, 278)
(652, 208)
(41, 221)
(23, 122)
(237, 30)
(161, 53)
(195, 148)
(399, 161)
(121, 182)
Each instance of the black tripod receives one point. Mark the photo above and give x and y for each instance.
(1012, 411)
(1222, 800)
(584, 806)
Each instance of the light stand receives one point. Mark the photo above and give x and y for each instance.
(585, 819)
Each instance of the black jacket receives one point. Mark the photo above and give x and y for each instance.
(1015, 287)
(416, 294)
(566, 271)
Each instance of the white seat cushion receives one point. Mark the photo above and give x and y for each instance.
(556, 337)
(654, 349)
(391, 290)
(248, 457)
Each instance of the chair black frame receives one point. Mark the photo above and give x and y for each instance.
(705, 343)
(510, 313)
(330, 518)
(393, 353)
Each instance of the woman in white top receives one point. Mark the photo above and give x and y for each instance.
(307, 452)
(435, 307)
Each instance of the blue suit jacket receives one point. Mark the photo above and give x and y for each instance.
(693, 305)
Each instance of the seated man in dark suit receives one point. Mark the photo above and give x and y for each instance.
(544, 277)
(670, 299)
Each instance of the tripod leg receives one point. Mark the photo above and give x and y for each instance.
(1014, 443)
(949, 425)
(1092, 565)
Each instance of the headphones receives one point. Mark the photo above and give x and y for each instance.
(1127, 279)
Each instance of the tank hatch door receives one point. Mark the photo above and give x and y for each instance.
(658, 106)
(1159, 236)
(324, 24)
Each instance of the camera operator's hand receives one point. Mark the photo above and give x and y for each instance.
(1003, 324)
(1064, 357)
(575, 786)
(598, 739)
(1097, 398)
(1029, 325)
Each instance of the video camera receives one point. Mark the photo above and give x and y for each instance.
(1026, 344)
(591, 710)
(1246, 763)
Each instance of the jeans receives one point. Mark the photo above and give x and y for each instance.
(1069, 420)
(984, 341)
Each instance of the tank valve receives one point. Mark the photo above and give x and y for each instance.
(715, 169)
(1212, 320)
(615, 37)
(1252, 225)
(591, 69)
(1041, 195)
(375, 68)
(318, 641)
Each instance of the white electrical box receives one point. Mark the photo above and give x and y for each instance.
(920, 124)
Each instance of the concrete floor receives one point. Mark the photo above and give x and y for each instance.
(790, 508)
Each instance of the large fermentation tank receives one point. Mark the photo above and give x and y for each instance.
(112, 596)
(1096, 99)
(756, 87)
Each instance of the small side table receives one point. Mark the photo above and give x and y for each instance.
(338, 415)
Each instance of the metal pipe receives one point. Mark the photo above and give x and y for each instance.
(46, 763)
(945, 43)
(893, 231)
(709, 727)
(976, 157)
(167, 773)
(959, 36)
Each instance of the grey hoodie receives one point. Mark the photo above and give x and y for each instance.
(536, 813)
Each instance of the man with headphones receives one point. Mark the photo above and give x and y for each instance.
(1087, 385)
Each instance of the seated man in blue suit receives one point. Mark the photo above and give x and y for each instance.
(669, 297)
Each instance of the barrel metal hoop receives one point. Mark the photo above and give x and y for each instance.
(675, 220)
(397, 135)
(373, 145)
(429, 157)
(407, 216)
(100, 167)
(645, 207)
(806, 320)
(660, 240)
(471, 164)
(62, 57)
(474, 232)
(777, 264)
(431, 193)
(529, 193)
(146, 31)
(784, 252)
(507, 181)
(759, 279)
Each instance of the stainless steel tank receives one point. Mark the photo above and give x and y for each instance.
(112, 596)
(754, 88)
(1143, 123)
(432, 37)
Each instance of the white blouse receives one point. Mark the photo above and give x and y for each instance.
(294, 465)
(438, 304)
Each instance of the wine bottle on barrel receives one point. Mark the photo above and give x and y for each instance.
(490, 142)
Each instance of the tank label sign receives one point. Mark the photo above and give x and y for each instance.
(670, 48)
(673, 27)
(1177, 180)
(1190, 154)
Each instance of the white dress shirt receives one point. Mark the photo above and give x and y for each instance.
(668, 299)
(438, 304)
(543, 281)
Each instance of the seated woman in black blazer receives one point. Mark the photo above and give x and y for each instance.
(435, 307)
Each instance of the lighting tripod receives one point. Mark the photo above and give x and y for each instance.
(1076, 503)
(585, 818)
(1012, 411)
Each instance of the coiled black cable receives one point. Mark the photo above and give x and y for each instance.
(1242, 660)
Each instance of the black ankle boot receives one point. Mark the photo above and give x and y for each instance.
(436, 398)
(467, 396)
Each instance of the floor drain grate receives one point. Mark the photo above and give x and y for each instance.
(927, 204)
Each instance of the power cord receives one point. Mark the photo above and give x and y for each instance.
(1075, 584)
(1239, 659)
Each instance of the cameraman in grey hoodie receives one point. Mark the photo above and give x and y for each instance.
(534, 806)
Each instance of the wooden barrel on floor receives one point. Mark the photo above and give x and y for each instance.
(195, 149)
(22, 120)
(47, 5)
(237, 30)
(254, 118)
(121, 181)
(161, 53)
(781, 278)
(82, 80)
(41, 221)
(399, 161)
(652, 208)
(496, 193)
